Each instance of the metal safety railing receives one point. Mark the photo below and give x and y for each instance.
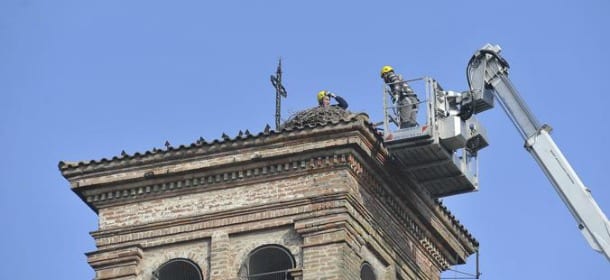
(436, 121)
(391, 108)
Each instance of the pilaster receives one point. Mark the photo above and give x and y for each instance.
(219, 256)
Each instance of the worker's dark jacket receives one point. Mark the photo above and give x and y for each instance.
(341, 102)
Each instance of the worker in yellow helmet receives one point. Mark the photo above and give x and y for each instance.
(386, 69)
(324, 97)
(403, 97)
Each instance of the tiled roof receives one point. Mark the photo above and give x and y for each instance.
(202, 145)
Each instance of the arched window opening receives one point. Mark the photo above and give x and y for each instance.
(269, 263)
(366, 272)
(178, 269)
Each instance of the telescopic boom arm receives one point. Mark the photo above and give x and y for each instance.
(488, 71)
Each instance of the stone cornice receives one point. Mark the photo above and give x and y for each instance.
(236, 175)
(281, 155)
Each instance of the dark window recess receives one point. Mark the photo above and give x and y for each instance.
(366, 272)
(270, 263)
(178, 269)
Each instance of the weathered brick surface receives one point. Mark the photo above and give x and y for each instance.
(219, 200)
(220, 256)
(324, 262)
(352, 261)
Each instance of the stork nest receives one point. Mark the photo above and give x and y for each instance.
(317, 116)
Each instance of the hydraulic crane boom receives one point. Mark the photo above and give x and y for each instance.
(488, 72)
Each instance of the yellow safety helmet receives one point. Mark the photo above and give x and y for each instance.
(321, 95)
(386, 69)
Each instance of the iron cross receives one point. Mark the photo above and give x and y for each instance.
(280, 91)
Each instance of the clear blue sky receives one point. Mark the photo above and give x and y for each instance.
(85, 79)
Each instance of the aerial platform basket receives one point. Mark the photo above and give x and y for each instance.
(440, 153)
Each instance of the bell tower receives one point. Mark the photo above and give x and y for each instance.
(319, 198)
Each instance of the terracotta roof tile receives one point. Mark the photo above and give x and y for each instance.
(67, 165)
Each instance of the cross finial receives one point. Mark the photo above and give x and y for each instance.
(280, 91)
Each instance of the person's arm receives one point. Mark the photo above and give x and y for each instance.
(341, 102)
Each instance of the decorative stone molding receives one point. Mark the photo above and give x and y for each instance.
(111, 195)
(236, 220)
(119, 263)
(421, 234)
(410, 224)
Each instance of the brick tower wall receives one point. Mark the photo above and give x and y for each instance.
(324, 195)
